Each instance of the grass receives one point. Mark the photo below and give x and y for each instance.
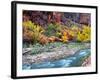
(76, 45)
(50, 47)
(38, 48)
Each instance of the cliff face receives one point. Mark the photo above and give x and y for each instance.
(43, 18)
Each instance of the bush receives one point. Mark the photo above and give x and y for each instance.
(85, 34)
(31, 31)
(50, 30)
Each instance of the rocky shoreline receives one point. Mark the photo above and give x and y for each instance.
(87, 62)
(58, 53)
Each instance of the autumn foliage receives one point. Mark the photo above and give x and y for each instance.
(54, 30)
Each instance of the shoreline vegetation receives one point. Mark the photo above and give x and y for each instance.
(50, 36)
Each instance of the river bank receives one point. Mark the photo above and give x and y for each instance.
(56, 53)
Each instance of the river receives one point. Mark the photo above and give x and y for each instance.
(75, 60)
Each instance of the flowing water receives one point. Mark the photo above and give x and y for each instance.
(72, 61)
